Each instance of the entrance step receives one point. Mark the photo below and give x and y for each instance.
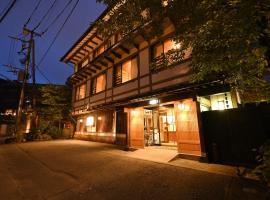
(193, 157)
(155, 154)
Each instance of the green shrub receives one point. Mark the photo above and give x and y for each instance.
(54, 132)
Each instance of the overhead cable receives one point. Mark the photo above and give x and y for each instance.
(45, 15)
(33, 12)
(58, 33)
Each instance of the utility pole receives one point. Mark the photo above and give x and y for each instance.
(30, 50)
(21, 100)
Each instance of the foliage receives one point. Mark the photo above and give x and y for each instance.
(55, 102)
(263, 169)
(230, 39)
(54, 108)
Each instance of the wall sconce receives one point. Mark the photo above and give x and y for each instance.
(153, 102)
(99, 118)
(90, 121)
(183, 107)
(81, 120)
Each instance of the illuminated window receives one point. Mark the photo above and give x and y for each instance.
(91, 124)
(163, 47)
(98, 84)
(81, 92)
(99, 122)
(126, 71)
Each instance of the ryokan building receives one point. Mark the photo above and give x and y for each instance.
(120, 98)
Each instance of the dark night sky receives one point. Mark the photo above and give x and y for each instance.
(85, 13)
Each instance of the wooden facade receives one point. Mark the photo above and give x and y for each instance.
(92, 57)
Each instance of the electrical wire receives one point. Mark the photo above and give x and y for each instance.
(45, 15)
(57, 34)
(6, 7)
(33, 12)
(44, 76)
(57, 17)
(8, 10)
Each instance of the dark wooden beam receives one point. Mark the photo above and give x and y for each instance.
(93, 42)
(96, 66)
(98, 37)
(90, 47)
(109, 59)
(81, 75)
(86, 43)
(103, 63)
(72, 61)
(77, 56)
(89, 70)
(87, 73)
(124, 49)
(116, 54)
(85, 51)
(137, 46)
(80, 53)
(75, 78)
(92, 70)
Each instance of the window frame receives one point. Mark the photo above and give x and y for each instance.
(77, 92)
(161, 42)
(121, 69)
(94, 82)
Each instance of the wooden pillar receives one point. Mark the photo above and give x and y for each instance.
(136, 127)
(187, 127)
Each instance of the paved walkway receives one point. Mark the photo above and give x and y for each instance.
(70, 169)
(169, 157)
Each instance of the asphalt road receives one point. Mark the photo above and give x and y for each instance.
(85, 170)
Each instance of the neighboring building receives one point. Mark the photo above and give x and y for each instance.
(9, 95)
(9, 99)
(120, 97)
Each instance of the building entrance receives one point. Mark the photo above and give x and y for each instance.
(159, 126)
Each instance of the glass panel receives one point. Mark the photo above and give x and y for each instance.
(81, 92)
(91, 123)
(126, 69)
(105, 122)
(129, 70)
(101, 83)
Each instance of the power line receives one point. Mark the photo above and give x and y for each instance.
(57, 17)
(8, 10)
(33, 12)
(5, 8)
(57, 34)
(42, 74)
(45, 15)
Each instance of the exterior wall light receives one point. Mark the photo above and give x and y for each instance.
(81, 120)
(99, 118)
(153, 102)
